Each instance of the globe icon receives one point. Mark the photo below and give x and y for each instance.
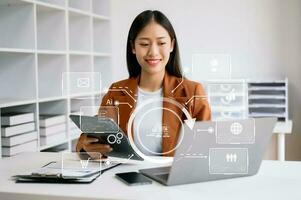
(236, 128)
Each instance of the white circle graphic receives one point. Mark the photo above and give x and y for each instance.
(137, 110)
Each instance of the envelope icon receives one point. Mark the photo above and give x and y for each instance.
(83, 82)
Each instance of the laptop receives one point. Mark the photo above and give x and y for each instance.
(215, 150)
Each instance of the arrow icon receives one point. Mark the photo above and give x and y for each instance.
(190, 122)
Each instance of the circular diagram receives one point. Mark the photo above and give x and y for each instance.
(140, 109)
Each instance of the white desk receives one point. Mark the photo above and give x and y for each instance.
(275, 180)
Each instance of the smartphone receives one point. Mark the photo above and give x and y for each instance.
(133, 178)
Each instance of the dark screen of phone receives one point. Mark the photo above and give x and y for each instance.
(133, 178)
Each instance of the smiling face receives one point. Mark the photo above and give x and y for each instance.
(152, 48)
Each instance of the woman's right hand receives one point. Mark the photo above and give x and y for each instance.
(92, 146)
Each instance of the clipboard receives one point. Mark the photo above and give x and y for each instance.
(54, 176)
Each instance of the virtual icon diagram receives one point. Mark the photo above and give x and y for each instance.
(211, 66)
(84, 163)
(106, 120)
(80, 164)
(80, 82)
(231, 157)
(159, 131)
(236, 128)
(228, 161)
(235, 132)
(214, 64)
(228, 99)
(83, 82)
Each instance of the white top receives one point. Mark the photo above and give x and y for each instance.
(148, 122)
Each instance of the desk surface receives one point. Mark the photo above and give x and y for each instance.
(275, 180)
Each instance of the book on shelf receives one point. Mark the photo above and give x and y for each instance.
(19, 139)
(31, 146)
(50, 120)
(45, 131)
(7, 131)
(51, 139)
(14, 118)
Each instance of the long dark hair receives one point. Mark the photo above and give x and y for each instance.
(173, 66)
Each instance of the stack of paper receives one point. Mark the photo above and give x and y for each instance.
(18, 133)
(52, 129)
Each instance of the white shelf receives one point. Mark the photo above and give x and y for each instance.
(12, 50)
(60, 4)
(101, 7)
(40, 41)
(50, 73)
(79, 12)
(80, 63)
(101, 65)
(83, 95)
(267, 81)
(84, 13)
(14, 2)
(17, 76)
(57, 107)
(83, 5)
(80, 32)
(51, 52)
(101, 54)
(41, 100)
(80, 53)
(47, 4)
(17, 25)
(100, 17)
(267, 106)
(52, 21)
(266, 97)
(54, 144)
(9, 102)
(101, 35)
(266, 115)
(253, 88)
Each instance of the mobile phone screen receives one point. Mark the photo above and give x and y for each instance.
(133, 178)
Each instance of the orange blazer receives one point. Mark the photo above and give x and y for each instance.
(188, 93)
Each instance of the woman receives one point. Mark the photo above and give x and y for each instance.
(154, 72)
